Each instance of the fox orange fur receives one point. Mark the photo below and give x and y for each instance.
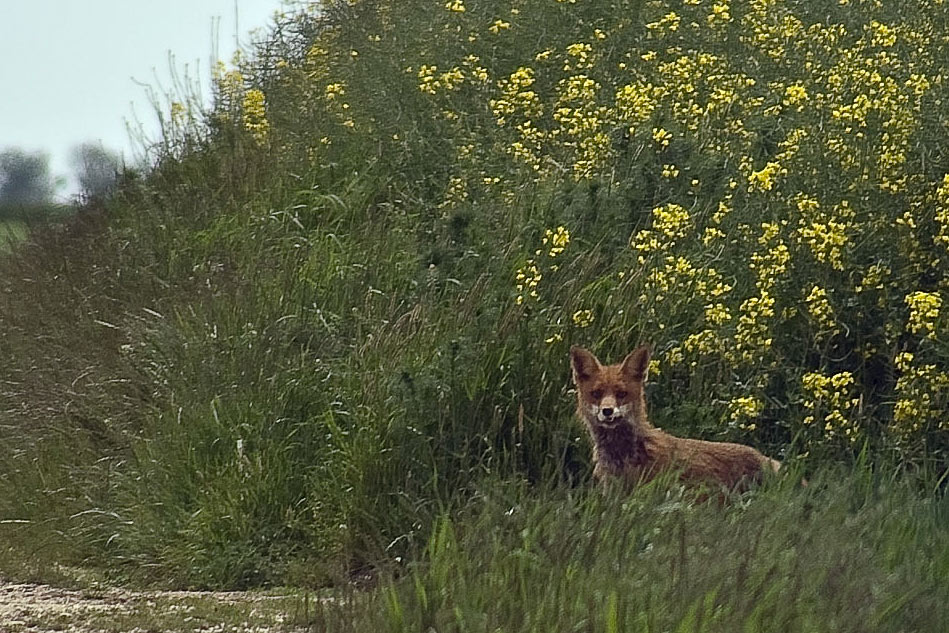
(626, 447)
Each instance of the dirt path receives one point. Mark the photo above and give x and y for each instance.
(41, 608)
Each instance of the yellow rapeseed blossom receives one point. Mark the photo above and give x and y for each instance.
(254, 107)
(426, 79)
(452, 78)
(672, 221)
(661, 137)
(636, 102)
(800, 189)
(517, 97)
(921, 401)
(526, 280)
(703, 343)
(498, 26)
(720, 14)
(771, 262)
(178, 112)
(579, 57)
(583, 318)
(431, 81)
(668, 22)
(745, 408)
(831, 402)
(558, 240)
(456, 192)
(230, 87)
(717, 314)
(752, 336)
(826, 240)
(764, 178)
(903, 361)
(795, 95)
(822, 313)
(882, 35)
(923, 312)
(942, 212)
(581, 124)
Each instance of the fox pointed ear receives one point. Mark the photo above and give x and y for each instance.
(584, 364)
(636, 364)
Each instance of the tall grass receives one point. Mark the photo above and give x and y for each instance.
(11, 232)
(855, 552)
(296, 348)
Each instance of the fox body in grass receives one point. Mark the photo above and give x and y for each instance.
(611, 403)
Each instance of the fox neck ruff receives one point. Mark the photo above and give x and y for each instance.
(620, 445)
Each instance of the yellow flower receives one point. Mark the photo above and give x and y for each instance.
(832, 398)
(795, 95)
(452, 78)
(763, 179)
(498, 26)
(719, 15)
(821, 310)
(255, 115)
(583, 318)
(672, 220)
(882, 35)
(924, 310)
(558, 240)
(526, 281)
(426, 77)
(661, 136)
(903, 361)
(717, 314)
(669, 21)
(746, 407)
(334, 90)
(579, 56)
(178, 112)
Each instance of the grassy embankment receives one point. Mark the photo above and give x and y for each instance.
(11, 232)
(329, 330)
(15, 220)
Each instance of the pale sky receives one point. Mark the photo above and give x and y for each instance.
(70, 69)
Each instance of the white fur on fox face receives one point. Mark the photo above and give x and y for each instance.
(619, 412)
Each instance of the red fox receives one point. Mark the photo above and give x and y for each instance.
(627, 447)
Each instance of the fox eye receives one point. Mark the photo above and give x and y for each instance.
(621, 394)
(597, 393)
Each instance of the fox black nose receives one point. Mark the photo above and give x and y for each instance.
(607, 412)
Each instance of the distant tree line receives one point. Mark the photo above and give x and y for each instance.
(96, 169)
(24, 178)
(27, 184)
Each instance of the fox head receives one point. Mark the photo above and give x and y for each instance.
(610, 395)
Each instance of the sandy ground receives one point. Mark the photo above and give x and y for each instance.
(41, 608)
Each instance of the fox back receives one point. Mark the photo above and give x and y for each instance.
(611, 403)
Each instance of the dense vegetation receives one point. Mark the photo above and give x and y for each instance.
(861, 555)
(329, 329)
